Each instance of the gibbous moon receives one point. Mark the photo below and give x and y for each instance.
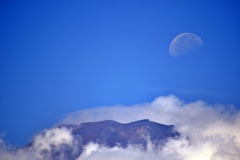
(185, 43)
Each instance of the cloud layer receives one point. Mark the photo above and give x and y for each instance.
(45, 143)
(209, 132)
(213, 130)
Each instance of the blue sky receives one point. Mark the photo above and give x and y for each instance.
(60, 56)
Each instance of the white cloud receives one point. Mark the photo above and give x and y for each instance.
(42, 146)
(94, 151)
(179, 149)
(213, 130)
(53, 137)
(209, 132)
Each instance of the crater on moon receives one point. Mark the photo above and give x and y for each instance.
(185, 43)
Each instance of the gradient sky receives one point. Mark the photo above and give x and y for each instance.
(61, 56)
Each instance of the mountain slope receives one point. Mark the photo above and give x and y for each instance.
(107, 133)
(111, 133)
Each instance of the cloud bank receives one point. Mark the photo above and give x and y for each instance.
(45, 143)
(208, 132)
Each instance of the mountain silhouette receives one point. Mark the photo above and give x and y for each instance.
(110, 134)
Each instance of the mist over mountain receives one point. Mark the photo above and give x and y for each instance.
(200, 131)
(106, 133)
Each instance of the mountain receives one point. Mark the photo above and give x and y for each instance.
(111, 133)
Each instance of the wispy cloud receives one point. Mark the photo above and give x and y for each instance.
(213, 130)
(43, 145)
(207, 132)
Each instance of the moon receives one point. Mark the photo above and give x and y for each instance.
(185, 43)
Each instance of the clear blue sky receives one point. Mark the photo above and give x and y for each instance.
(61, 56)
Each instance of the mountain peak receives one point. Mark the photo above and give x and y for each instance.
(110, 133)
